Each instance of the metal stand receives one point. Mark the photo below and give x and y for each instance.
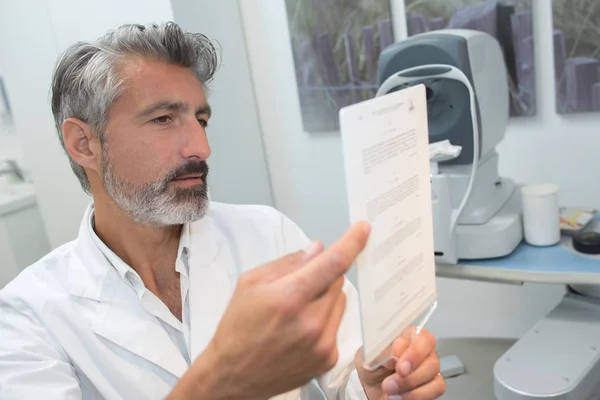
(559, 358)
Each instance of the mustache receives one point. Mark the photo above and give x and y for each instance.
(192, 167)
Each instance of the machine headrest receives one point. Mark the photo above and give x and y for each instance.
(479, 58)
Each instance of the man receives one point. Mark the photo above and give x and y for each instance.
(163, 294)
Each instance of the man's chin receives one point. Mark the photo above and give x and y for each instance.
(169, 213)
(167, 207)
(179, 215)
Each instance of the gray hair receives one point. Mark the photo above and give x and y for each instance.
(86, 79)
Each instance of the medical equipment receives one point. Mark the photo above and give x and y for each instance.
(476, 213)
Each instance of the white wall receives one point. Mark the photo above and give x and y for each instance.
(308, 178)
(32, 35)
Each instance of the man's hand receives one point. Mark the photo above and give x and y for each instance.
(280, 328)
(415, 376)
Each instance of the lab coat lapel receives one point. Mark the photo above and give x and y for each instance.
(139, 333)
(213, 277)
(119, 317)
(210, 290)
(212, 281)
(214, 271)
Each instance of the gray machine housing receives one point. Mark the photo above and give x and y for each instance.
(477, 213)
(447, 100)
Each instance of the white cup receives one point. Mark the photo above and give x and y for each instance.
(541, 214)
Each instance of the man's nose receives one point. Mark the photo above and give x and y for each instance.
(195, 142)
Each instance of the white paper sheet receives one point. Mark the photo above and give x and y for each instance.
(386, 150)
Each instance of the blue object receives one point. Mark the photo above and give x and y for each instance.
(553, 259)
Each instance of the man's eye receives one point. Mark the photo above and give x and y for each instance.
(203, 123)
(165, 119)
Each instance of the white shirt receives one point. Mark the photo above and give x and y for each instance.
(179, 331)
(79, 323)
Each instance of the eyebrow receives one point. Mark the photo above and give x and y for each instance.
(173, 106)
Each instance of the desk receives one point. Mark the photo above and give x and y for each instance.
(555, 264)
(572, 329)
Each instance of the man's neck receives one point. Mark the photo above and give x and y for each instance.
(150, 251)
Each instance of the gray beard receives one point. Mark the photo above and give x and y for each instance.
(154, 204)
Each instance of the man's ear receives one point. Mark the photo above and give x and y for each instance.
(81, 143)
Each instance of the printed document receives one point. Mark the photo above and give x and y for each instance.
(386, 154)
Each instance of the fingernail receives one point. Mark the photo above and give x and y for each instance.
(390, 387)
(405, 368)
(366, 227)
(395, 397)
(312, 250)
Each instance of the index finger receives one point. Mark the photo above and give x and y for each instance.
(315, 277)
(275, 269)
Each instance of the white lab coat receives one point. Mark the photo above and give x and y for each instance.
(71, 327)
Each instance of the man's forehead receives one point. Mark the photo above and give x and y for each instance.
(149, 82)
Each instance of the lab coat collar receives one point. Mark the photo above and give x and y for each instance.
(89, 270)
(117, 316)
(124, 270)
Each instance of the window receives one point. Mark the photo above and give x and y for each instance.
(576, 55)
(511, 23)
(336, 46)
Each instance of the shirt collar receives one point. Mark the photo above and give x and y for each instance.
(125, 270)
(183, 252)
